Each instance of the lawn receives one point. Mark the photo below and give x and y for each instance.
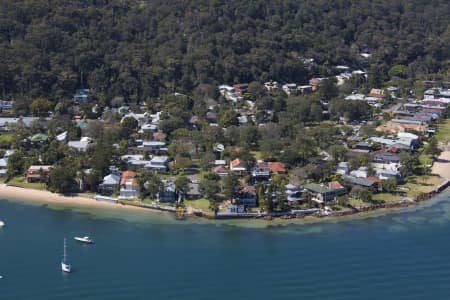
(202, 204)
(22, 182)
(422, 184)
(6, 137)
(443, 134)
(386, 197)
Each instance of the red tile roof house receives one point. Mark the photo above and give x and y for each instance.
(277, 167)
(129, 186)
(238, 166)
(37, 173)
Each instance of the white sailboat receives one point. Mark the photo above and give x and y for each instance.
(65, 266)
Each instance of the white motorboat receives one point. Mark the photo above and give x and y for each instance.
(84, 239)
(65, 266)
(2, 224)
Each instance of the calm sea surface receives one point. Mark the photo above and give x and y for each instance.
(401, 255)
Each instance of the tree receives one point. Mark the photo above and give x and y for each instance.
(40, 107)
(15, 164)
(432, 148)
(150, 183)
(182, 184)
(128, 126)
(389, 185)
(62, 180)
(409, 162)
(231, 186)
(209, 185)
(337, 152)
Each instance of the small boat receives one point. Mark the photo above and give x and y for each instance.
(65, 266)
(2, 224)
(84, 239)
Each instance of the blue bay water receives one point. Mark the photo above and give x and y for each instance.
(142, 255)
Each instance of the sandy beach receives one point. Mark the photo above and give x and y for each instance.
(441, 166)
(12, 192)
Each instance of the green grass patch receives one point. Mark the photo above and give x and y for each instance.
(425, 159)
(386, 197)
(201, 203)
(6, 137)
(443, 134)
(422, 184)
(22, 182)
(256, 154)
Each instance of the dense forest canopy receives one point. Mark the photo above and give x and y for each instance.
(142, 49)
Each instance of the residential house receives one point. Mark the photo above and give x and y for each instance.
(365, 182)
(241, 88)
(321, 192)
(293, 193)
(361, 172)
(388, 173)
(110, 184)
(6, 122)
(158, 163)
(261, 169)
(83, 145)
(3, 166)
(154, 146)
(377, 93)
(168, 192)
(277, 167)
(220, 170)
(337, 188)
(238, 166)
(129, 186)
(247, 197)
(386, 157)
(289, 88)
(6, 105)
(193, 191)
(38, 173)
(343, 168)
(81, 95)
(271, 86)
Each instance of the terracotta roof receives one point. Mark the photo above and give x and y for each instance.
(236, 162)
(127, 175)
(335, 185)
(277, 167)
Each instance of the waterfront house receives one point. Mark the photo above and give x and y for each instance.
(168, 192)
(365, 182)
(110, 184)
(247, 197)
(321, 192)
(129, 186)
(38, 173)
(3, 166)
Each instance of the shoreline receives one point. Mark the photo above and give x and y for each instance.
(441, 168)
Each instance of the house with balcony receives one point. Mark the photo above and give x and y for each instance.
(129, 186)
(38, 173)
